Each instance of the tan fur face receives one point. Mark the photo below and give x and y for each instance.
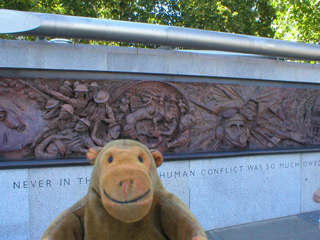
(126, 187)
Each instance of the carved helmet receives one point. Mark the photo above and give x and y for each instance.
(67, 83)
(51, 103)
(85, 121)
(114, 124)
(101, 97)
(68, 108)
(81, 88)
(94, 84)
(235, 117)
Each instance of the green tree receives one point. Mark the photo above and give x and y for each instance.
(250, 17)
(297, 20)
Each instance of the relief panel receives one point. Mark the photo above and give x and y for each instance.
(62, 118)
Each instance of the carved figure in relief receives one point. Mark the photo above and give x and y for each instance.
(91, 105)
(66, 120)
(114, 131)
(170, 124)
(76, 84)
(52, 146)
(79, 102)
(279, 128)
(159, 113)
(124, 103)
(183, 107)
(187, 121)
(93, 89)
(315, 117)
(78, 140)
(163, 136)
(122, 107)
(101, 117)
(67, 141)
(39, 98)
(173, 106)
(66, 89)
(52, 109)
(146, 111)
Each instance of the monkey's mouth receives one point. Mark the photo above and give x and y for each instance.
(126, 202)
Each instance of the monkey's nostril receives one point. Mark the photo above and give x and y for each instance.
(127, 182)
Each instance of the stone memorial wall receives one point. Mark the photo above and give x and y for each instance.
(188, 105)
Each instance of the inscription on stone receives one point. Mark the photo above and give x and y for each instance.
(173, 175)
(62, 118)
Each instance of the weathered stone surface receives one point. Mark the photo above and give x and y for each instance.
(15, 216)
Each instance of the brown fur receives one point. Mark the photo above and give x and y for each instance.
(108, 211)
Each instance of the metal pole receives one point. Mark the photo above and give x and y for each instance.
(50, 25)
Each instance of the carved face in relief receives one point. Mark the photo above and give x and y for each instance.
(94, 87)
(115, 131)
(64, 114)
(79, 94)
(53, 149)
(236, 131)
(169, 117)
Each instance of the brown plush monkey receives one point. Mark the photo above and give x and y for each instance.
(126, 201)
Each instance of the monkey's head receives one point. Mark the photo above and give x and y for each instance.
(125, 177)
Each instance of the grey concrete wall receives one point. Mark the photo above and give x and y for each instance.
(33, 55)
(221, 192)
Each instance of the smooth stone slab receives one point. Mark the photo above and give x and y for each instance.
(74, 58)
(14, 201)
(226, 192)
(175, 177)
(53, 190)
(42, 55)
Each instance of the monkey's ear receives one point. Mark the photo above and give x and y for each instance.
(93, 153)
(158, 157)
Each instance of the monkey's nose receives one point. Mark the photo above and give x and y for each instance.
(126, 182)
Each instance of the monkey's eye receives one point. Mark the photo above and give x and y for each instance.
(110, 159)
(140, 159)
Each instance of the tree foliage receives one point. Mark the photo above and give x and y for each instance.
(297, 20)
(249, 17)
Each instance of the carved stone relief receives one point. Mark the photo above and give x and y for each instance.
(60, 118)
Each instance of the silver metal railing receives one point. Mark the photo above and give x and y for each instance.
(61, 26)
